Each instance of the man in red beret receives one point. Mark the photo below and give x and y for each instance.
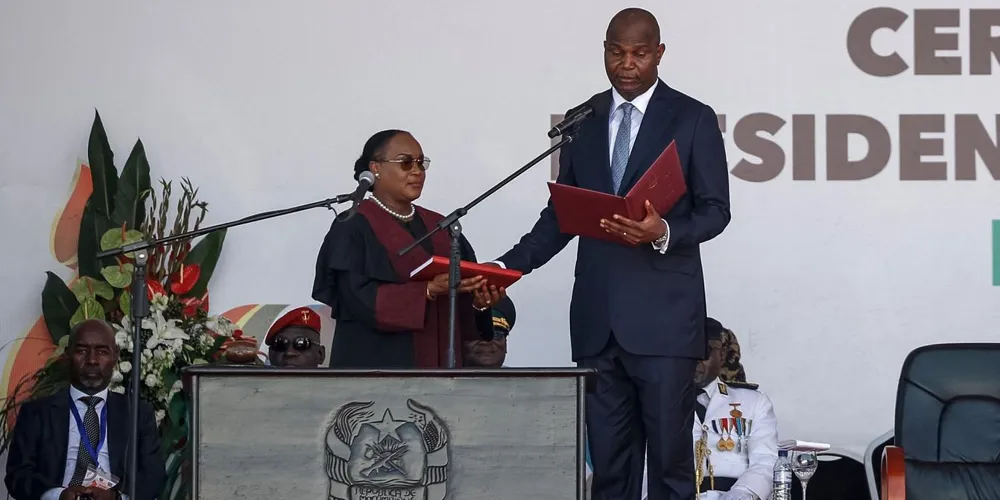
(293, 341)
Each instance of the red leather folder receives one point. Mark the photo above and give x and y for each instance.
(579, 211)
(439, 265)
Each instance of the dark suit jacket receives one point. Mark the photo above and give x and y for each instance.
(37, 458)
(654, 303)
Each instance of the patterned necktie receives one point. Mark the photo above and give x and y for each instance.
(93, 427)
(700, 408)
(619, 155)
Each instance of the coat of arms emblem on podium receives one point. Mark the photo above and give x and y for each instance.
(387, 453)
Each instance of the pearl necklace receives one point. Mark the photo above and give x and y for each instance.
(413, 210)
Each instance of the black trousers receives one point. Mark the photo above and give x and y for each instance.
(640, 406)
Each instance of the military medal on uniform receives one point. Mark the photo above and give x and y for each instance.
(730, 444)
(724, 427)
(740, 437)
(737, 425)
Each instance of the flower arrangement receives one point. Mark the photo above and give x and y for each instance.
(177, 333)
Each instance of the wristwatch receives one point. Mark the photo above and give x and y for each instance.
(662, 240)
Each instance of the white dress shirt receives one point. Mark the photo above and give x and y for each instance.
(641, 103)
(103, 459)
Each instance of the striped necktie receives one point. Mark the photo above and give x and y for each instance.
(619, 156)
(92, 426)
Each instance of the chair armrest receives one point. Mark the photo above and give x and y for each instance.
(893, 474)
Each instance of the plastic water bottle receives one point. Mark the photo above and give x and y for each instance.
(782, 489)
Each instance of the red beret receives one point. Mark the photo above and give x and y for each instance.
(302, 316)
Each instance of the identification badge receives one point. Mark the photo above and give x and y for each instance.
(97, 478)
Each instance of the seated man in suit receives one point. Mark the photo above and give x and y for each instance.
(492, 353)
(735, 430)
(294, 341)
(57, 439)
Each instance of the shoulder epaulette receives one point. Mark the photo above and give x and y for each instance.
(743, 385)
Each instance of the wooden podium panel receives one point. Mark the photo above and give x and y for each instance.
(482, 434)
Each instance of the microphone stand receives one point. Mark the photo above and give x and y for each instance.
(455, 229)
(140, 309)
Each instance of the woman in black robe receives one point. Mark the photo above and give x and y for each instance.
(383, 319)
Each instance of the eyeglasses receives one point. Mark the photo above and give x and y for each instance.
(407, 163)
(281, 344)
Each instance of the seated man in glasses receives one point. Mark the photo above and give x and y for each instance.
(293, 341)
(491, 353)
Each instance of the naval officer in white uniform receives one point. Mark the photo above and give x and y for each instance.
(734, 426)
(745, 472)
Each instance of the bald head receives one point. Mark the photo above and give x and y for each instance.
(634, 18)
(632, 52)
(97, 327)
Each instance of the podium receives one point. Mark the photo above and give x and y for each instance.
(312, 434)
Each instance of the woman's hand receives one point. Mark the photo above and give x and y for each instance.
(487, 295)
(439, 285)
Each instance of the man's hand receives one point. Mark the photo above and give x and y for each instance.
(738, 494)
(648, 230)
(439, 285)
(72, 492)
(99, 494)
(487, 295)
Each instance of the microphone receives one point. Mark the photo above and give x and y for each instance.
(572, 119)
(365, 182)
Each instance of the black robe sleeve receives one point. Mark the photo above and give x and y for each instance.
(356, 279)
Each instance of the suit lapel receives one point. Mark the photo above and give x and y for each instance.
(595, 139)
(117, 423)
(60, 431)
(650, 141)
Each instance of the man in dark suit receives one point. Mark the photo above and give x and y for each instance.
(53, 446)
(638, 311)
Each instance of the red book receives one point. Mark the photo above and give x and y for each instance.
(434, 266)
(579, 211)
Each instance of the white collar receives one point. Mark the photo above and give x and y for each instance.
(712, 389)
(75, 394)
(641, 102)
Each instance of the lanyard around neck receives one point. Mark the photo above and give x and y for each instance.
(103, 425)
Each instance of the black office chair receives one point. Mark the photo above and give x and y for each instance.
(839, 476)
(873, 461)
(947, 444)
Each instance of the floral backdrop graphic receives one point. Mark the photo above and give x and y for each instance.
(105, 210)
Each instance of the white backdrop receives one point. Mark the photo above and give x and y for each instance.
(829, 284)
